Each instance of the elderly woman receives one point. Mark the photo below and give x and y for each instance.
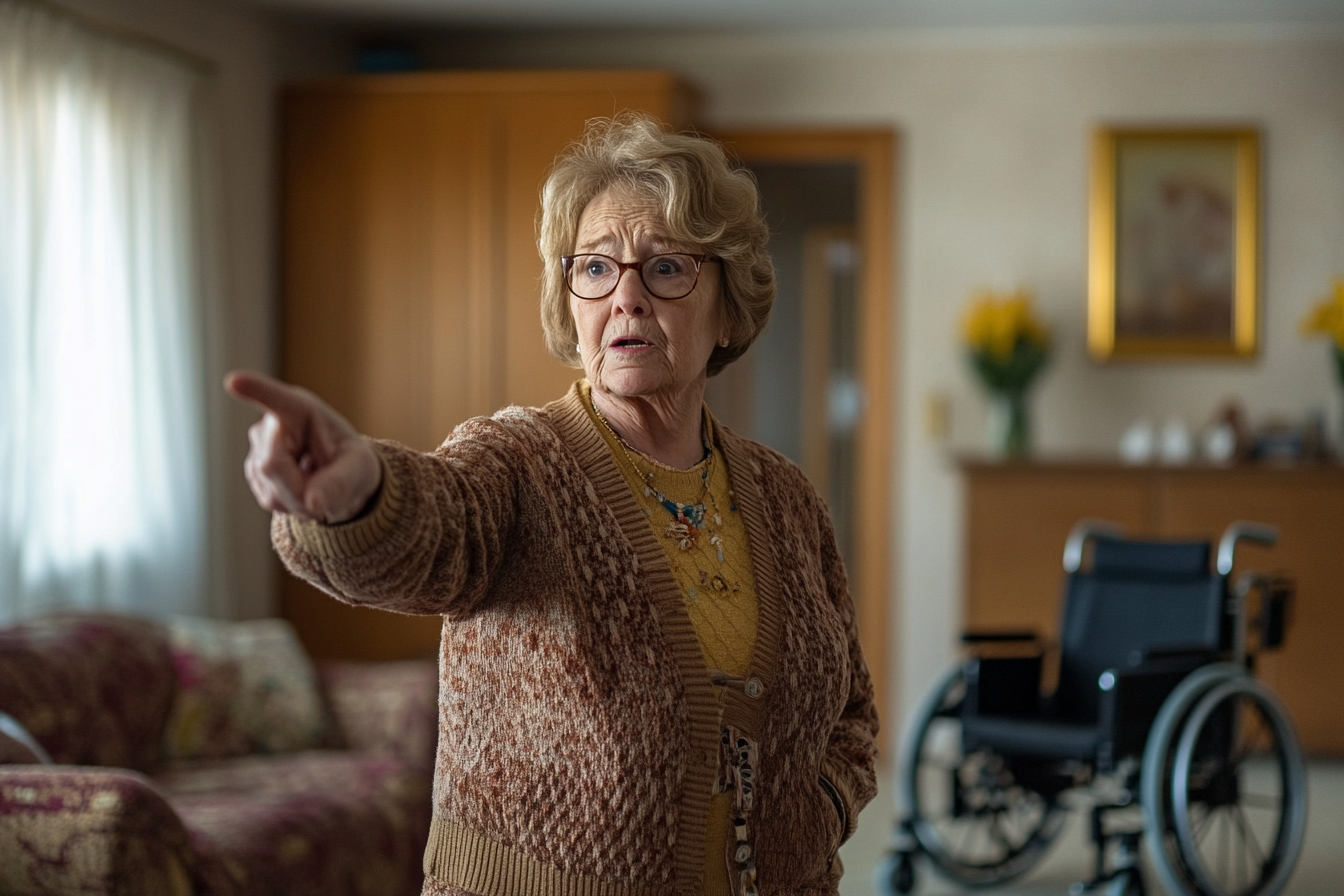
(651, 681)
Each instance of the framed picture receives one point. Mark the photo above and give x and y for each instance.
(1174, 243)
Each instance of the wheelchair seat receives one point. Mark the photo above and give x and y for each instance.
(1144, 608)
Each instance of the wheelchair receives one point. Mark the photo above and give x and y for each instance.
(1156, 723)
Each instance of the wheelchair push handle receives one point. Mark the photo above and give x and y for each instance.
(1082, 532)
(1260, 533)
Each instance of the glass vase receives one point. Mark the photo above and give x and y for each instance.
(1338, 354)
(1009, 424)
(1335, 449)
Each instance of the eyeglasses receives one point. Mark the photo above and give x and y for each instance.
(669, 276)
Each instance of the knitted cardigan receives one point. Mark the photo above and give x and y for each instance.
(579, 738)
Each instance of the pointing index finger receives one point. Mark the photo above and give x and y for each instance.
(266, 393)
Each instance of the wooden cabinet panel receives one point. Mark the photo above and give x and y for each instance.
(463, 265)
(320, 141)
(1019, 514)
(394, 289)
(1308, 509)
(366, 255)
(537, 123)
(411, 276)
(1018, 525)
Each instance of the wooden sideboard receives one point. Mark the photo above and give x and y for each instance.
(1018, 515)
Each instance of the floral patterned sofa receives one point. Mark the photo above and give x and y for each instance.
(191, 756)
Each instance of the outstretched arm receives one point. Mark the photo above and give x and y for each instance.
(304, 459)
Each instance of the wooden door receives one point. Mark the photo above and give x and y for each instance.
(872, 154)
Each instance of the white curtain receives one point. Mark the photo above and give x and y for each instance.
(104, 284)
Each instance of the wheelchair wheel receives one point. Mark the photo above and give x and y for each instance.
(1127, 883)
(1224, 789)
(979, 824)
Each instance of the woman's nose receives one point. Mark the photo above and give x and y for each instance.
(630, 295)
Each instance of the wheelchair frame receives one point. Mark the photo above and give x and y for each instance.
(1211, 737)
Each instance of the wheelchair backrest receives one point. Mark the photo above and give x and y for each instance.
(1137, 598)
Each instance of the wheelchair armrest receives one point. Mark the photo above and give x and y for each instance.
(993, 637)
(1276, 599)
(1178, 655)
(1003, 686)
(1130, 698)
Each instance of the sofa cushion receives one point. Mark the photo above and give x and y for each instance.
(242, 687)
(319, 822)
(385, 707)
(92, 689)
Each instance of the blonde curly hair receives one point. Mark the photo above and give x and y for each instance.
(706, 202)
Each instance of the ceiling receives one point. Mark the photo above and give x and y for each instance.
(830, 14)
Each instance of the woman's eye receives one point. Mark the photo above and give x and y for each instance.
(596, 267)
(666, 266)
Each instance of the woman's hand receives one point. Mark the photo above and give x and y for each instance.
(304, 458)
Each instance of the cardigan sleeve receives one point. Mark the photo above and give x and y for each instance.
(433, 537)
(849, 764)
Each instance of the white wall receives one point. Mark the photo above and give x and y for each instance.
(992, 191)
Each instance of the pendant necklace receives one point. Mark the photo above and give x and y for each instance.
(687, 519)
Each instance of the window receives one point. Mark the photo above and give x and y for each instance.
(103, 273)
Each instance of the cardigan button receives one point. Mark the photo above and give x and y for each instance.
(754, 688)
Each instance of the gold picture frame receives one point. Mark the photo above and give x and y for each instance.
(1173, 254)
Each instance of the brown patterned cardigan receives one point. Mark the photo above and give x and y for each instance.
(579, 736)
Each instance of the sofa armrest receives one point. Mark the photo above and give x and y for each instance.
(89, 830)
(387, 707)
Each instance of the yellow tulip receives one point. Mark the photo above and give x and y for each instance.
(1327, 317)
(994, 323)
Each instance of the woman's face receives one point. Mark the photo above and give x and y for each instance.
(632, 343)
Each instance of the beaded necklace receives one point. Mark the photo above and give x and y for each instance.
(687, 519)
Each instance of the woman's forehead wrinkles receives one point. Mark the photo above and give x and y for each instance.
(644, 240)
(614, 221)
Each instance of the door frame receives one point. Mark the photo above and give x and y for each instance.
(873, 152)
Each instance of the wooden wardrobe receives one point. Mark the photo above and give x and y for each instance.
(410, 269)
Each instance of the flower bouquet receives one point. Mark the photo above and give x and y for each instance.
(1327, 319)
(1007, 346)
